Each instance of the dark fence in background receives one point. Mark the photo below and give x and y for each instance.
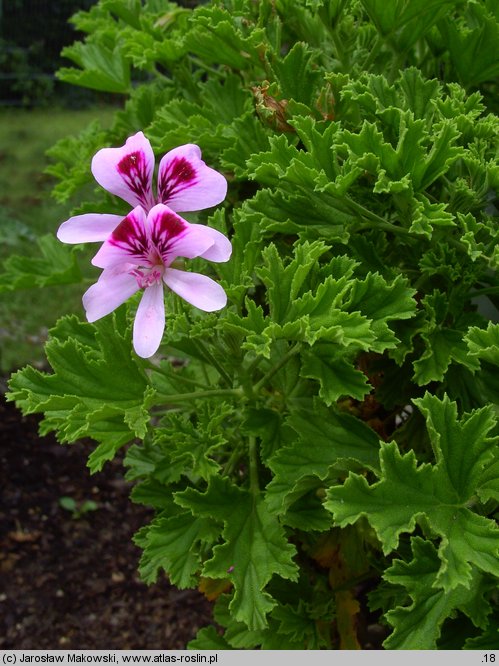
(32, 35)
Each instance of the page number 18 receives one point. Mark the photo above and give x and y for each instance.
(489, 658)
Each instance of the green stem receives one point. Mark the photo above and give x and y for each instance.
(337, 45)
(180, 378)
(486, 291)
(378, 221)
(207, 68)
(213, 361)
(253, 365)
(253, 466)
(386, 226)
(182, 397)
(289, 354)
(373, 53)
(397, 63)
(232, 461)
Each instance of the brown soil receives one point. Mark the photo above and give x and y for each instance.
(72, 583)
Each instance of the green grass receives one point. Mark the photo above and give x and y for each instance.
(27, 211)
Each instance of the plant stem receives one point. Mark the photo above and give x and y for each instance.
(253, 465)
(231, 462)
(213, 393)
(207, 68)
(484, 292)
(378, 221)
(213, 361)
(289, 354)
(373, 53)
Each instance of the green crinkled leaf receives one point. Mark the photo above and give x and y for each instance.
(336, 375)
(58, 265)
(307, 513)
(193, 444)
(292, 626)
(483, 344)
(295, 74)
(347, 312)
(298, 622)
(140, 109)
(269, 426)
(442, 347)
(284, 283)
(102, 68)
(382, 302)
(418, 626)
(107, 399)
(417, 161)
(488, 640)
(437, 496)
(254, 548)
(174, 544)
(473, 47)
(309, 216)
(216, 38)
(428, 215)
(245, 137)
(151, 493)
(442, 344)
(72, 157)
(208, 639)
(212, 120)
(326, 438)
(319, 138)
(238, 273)
(406, 21)
(270, 167)
(128, 11)
(472, 232)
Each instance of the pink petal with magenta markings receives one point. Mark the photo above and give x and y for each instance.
(127, 172)
(129, 242)
(186, 183)
(172, 236)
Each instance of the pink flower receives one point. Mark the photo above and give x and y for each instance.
(138, 255)
(138, 250)
(185, 184)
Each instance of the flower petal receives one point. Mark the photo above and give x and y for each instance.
(114, 287)
(173, 236)
(198, 290)
(149, 321)
(128, 242)
(127, 171)
(220, 250)
(88, 228)
(185, 183)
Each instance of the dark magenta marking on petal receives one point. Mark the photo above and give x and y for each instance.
(177, 176)
(167, 226)
(130, 237)
(133, 169)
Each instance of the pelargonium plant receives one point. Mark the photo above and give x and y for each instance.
(316, 423)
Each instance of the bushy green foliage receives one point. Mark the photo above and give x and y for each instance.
(334, 429)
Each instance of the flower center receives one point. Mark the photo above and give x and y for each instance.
(148, 276)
